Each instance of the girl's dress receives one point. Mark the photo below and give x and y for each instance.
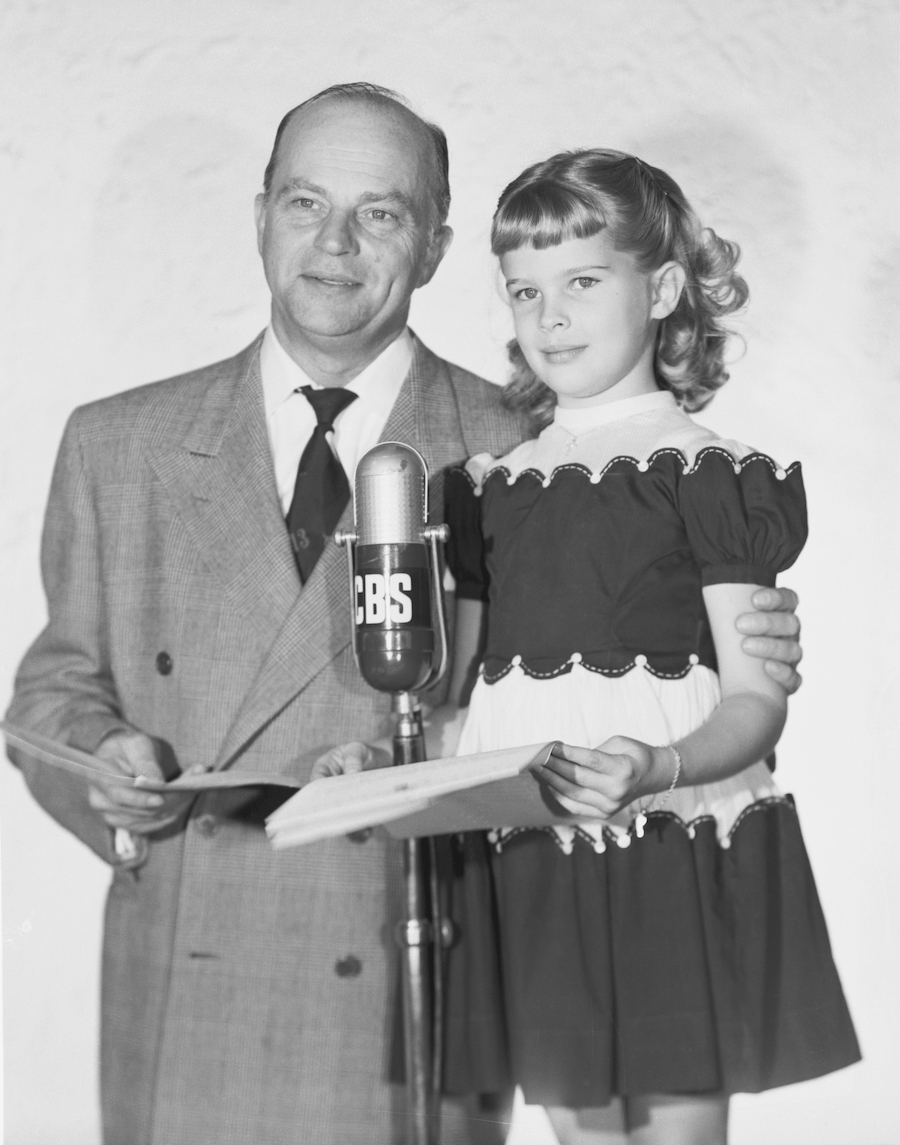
(688, 954)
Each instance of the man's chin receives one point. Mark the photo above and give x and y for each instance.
(334, 322)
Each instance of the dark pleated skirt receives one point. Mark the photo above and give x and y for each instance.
(670, 966)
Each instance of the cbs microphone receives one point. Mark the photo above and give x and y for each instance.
(395, 572)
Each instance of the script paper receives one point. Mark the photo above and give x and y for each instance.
(89, 767)
(436, 797)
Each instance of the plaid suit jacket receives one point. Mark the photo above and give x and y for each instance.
(247, 994)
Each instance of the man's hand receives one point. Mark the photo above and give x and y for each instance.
(350, 757)
(129, 808)
(772, 633)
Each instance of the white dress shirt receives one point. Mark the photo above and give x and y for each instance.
(290, 419)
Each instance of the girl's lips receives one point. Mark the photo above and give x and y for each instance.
(562, 354)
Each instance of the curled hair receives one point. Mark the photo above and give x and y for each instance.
(577, 194)
(372, 93)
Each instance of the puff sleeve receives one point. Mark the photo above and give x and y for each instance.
(465, 547)
(745, 520)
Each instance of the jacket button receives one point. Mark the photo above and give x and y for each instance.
(360, 836)
(207, 825)
(349, 967)
(163, 663)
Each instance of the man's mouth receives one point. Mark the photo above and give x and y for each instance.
(339, 281)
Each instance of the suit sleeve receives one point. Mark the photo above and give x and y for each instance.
(64, 688)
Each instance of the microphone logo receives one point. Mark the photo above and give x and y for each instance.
(378, 600)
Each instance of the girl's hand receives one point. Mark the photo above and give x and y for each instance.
(598, 782)
(350, 757)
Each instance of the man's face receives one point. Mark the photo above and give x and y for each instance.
(344, 232)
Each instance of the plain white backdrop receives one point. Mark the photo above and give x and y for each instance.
(133, 138)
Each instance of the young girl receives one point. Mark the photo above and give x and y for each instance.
(665, 947)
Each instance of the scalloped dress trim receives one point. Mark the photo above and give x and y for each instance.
(606, 834)
(638, 660)
(595, 476)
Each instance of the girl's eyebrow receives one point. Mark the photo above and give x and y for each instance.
(562, 273)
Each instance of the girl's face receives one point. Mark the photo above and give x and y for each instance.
(586, 317)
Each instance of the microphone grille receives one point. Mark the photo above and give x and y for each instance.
(391, 490)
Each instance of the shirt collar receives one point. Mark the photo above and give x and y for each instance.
(378, 384)
(578, 421)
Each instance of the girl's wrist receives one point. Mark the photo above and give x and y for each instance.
(666, 771)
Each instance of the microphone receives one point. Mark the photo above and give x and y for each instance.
(394, 570)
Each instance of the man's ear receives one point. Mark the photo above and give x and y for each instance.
(668, 282)
(259, 210)
(437, 248)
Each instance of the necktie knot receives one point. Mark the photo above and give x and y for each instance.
(328, 403)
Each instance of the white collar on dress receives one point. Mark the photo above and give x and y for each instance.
(578, 421)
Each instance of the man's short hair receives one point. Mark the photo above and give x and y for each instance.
(372, 93)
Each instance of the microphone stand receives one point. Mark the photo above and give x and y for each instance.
(423, 932)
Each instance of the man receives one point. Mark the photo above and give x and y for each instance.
(248, 995)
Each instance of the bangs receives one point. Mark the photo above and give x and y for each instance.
(543, 214)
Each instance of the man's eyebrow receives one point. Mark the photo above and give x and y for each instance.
(301, 184)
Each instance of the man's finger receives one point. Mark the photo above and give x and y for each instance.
(776, 599)
(129, 798)
(133, 752)
(784, 674)
(768, 624)
(773, 648)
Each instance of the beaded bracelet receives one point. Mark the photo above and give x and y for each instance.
(640, 820)
(678, 765)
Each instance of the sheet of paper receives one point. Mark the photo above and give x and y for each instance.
(438, 796)
(89, 767)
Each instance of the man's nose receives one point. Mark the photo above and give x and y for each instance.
(337, 235)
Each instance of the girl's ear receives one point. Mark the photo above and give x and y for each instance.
(668, 282)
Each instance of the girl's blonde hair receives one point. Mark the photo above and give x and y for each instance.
(576, 194)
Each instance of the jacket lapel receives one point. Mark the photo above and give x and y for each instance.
(316, 624)
(221, 481)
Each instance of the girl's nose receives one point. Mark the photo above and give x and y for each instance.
(553, 317)
(336, 234)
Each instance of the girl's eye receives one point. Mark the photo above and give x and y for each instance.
(526, 294)
(584, 283)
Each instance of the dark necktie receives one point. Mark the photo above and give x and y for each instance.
(321, 491)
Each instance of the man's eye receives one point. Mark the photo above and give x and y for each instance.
(306, 204)
(380, 215)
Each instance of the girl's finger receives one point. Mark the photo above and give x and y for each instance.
(581, 810)
(593, 800)
(573, 754)
(575, 773)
